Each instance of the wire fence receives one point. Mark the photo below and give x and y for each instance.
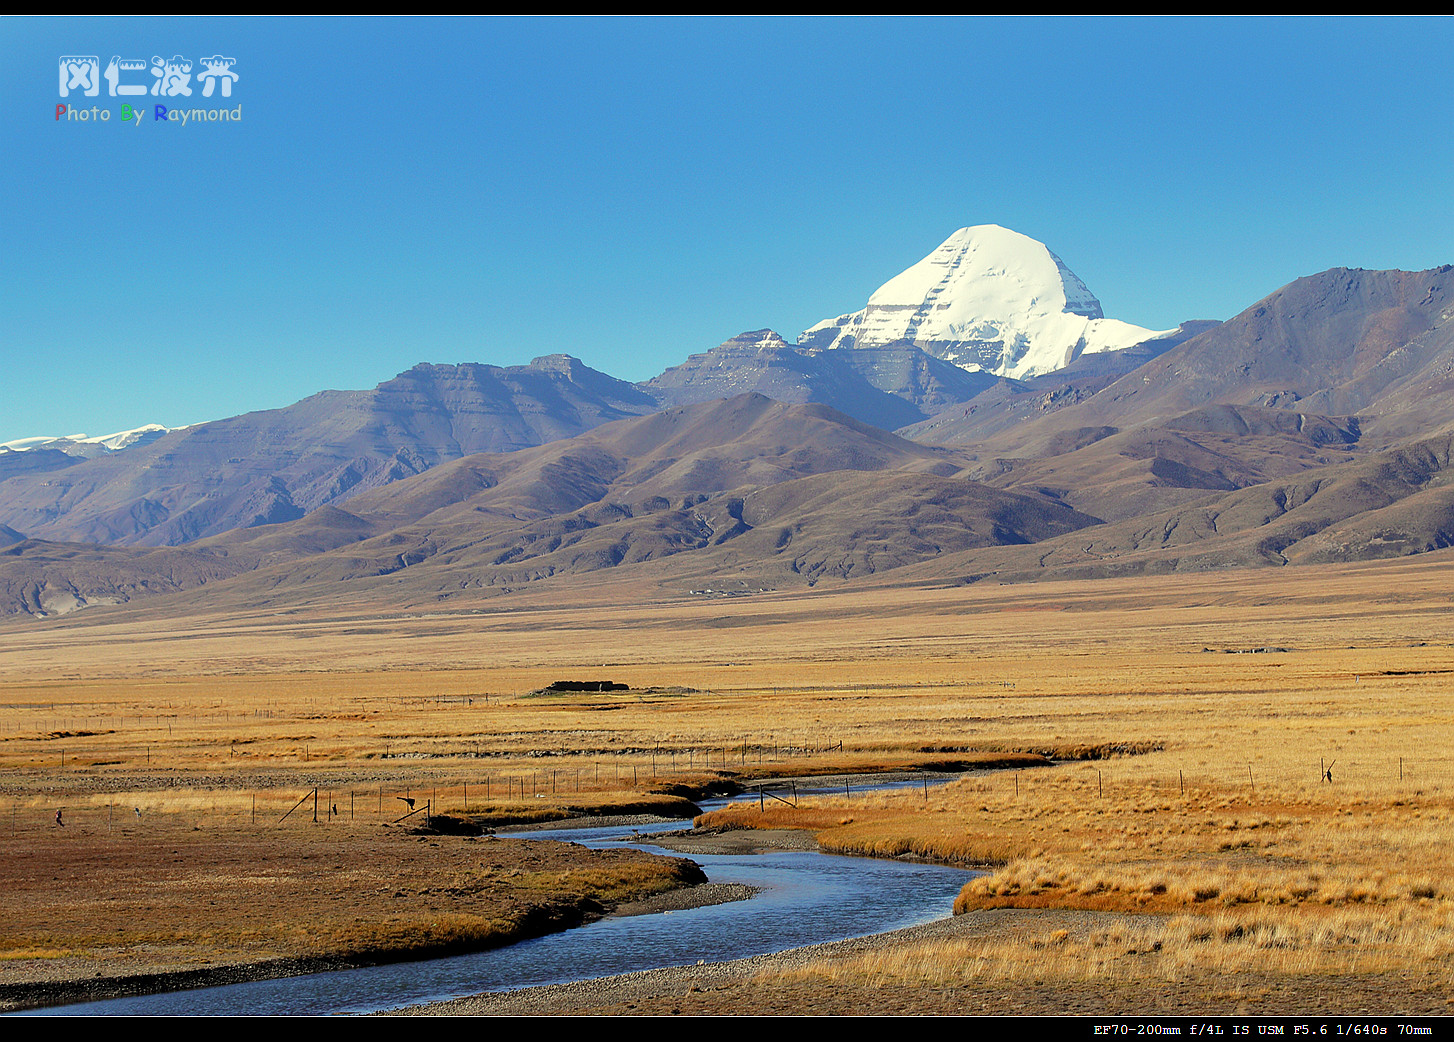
(195, 802)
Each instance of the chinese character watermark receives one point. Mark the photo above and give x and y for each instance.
(171, 77)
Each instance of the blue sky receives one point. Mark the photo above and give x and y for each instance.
(632, 191)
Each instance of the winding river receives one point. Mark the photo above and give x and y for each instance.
(805, 898)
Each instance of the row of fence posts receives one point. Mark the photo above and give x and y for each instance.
(516, 786)
(727, 756)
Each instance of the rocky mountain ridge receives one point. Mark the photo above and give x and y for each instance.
(1311, 427)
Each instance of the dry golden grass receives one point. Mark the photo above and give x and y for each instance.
(1194, 786)
(1273, 943)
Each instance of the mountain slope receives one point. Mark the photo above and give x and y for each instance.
(1389, 504)
(1375, 344)
(273, 466)
(781, 492)
(888, 386)
(1239, 404)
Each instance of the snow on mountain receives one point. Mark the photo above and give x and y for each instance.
(88, 447)
(988, 298)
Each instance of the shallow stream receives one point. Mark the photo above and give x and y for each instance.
(805, 898)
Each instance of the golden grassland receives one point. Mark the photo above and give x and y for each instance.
(1194, 716)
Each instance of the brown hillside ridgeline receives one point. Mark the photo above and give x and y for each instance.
(274, 466)
(1311, 427)
(748, 485)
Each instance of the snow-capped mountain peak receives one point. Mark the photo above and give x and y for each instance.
(87, 446)
(988, 298)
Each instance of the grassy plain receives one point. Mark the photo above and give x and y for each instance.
(1195, 717)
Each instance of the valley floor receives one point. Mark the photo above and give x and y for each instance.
(1250, 808)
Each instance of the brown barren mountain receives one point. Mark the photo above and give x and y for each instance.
(764, 491)
(277, 465)
(1311, 427)
(888, 386)
(1327, 368)
(1378, 345)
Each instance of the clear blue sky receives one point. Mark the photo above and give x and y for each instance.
(631, 191)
